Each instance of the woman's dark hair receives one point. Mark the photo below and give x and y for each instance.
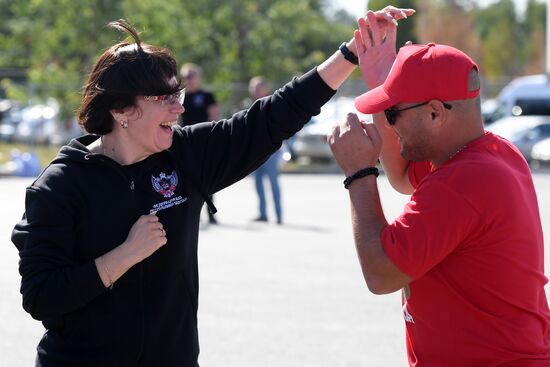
(121, 73)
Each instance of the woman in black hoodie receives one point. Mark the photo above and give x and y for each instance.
(108, 241)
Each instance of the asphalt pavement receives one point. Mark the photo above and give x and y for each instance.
(281, 296)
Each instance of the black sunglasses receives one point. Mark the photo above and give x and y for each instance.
(392, 113)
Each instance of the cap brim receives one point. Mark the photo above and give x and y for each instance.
(373, 101)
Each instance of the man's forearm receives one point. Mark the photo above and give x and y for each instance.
(368, 221)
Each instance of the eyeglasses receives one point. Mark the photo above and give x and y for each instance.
(171, 99)
(392, 113)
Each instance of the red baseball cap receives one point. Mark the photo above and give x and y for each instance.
(421, 73)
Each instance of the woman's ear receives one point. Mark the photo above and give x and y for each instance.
(120, 117)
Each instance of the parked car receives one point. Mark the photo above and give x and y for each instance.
(488, 108)
(527, 95)
(310, 144)
(523, 131)
(540, 154)
(40, 124)
(10, 116)
(65, 131)
(37, 123)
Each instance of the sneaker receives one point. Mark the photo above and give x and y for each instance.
(261, 218)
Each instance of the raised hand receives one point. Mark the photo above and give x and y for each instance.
(375, 41)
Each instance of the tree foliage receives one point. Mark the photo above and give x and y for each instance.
(503, 43)
(56, 41)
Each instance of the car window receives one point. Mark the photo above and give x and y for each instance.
(498, 113)
(531, 106)
(545, 129)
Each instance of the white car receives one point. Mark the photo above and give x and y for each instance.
(310, 144)
(540, 154)
(38, 122)
(526, 95)
(523, 131)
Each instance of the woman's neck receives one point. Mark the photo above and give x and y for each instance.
(114, 148)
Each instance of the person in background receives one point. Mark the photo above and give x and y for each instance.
(468, 250)
(109, 239)
(259, 87)
(200, 106)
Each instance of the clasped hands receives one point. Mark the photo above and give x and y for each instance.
(354, 143)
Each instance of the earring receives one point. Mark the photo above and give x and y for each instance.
(124, 124)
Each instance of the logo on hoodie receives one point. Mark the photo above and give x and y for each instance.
(165, 184)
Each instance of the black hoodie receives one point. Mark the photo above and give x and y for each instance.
(83, 205)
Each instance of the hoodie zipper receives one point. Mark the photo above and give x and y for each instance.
(132, 188)
(141, 343)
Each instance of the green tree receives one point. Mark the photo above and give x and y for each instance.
(534, 28)
(448, 22)
(502, 39)
(276, 39)
(56, 41)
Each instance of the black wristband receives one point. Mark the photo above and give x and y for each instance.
(359, 174)
(348, 55)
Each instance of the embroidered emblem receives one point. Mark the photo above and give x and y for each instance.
(165, 184)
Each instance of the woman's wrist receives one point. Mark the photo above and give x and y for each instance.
(102, 270)
(113, 264)
(352, 47)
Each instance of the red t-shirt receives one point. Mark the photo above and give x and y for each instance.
(471, 239)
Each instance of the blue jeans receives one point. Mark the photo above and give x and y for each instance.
(270, 169)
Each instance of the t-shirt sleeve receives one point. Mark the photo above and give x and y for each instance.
(434, 223)
(417, 171)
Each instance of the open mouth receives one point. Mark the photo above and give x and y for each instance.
(167, 126)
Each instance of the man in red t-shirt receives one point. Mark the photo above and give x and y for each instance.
(468, 248)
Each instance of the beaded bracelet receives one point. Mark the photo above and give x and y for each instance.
(359, 174)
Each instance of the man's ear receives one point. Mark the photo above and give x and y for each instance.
(438, 112)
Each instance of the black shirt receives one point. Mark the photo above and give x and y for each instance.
(196, 106)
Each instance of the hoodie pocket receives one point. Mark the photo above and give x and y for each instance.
(113, 319)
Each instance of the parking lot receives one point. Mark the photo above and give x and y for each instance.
(290, 295)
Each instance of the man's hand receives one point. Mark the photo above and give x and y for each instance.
(355, 144)
(375, 42)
